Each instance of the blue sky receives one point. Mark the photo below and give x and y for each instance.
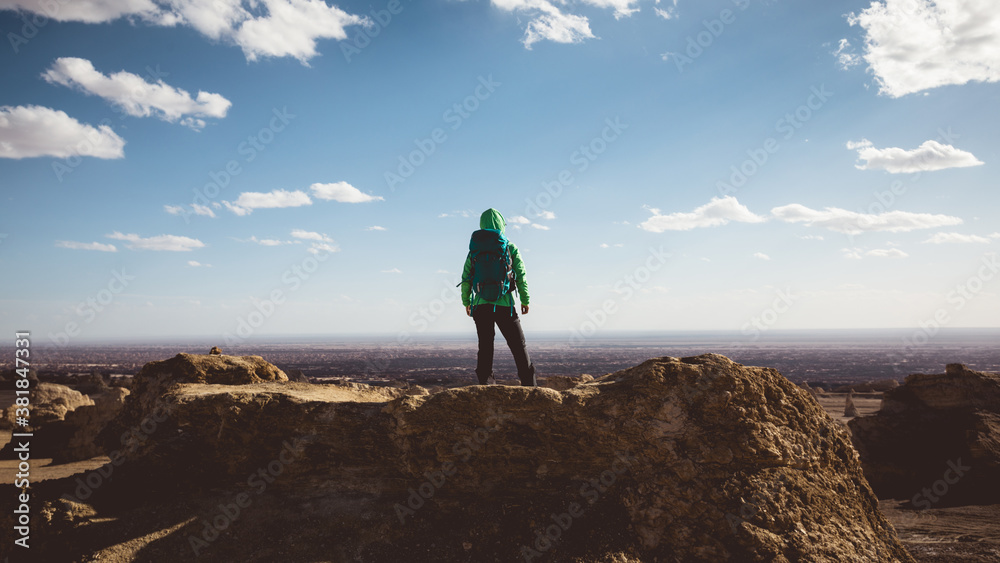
(189, 168)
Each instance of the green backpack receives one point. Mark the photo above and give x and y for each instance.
(492, 269)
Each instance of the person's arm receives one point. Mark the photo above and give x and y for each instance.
(520, 277)
(467, 285)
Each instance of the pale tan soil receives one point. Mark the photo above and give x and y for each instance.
(867, 403)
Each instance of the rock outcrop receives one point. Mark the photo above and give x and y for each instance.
(75, 437)
(693, 459)
(49, 403)
(850, 409)
(564, 382)
(936, 439)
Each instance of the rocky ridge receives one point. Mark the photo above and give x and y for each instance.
(691, 459)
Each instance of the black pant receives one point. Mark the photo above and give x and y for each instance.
(510, 327)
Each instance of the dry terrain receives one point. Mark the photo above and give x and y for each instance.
(938, 535)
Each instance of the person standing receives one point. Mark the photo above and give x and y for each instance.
(493, 270)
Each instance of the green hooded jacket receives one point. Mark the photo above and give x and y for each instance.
(492, 219)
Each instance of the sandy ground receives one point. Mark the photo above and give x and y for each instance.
(962, 534)
(965, 534)
(867, 403)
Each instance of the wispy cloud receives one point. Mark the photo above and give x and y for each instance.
(667, 13)
(375, 228)
(136, 96)
(320, 242)
(886, 253)
(859, 253)
(269, 241)
(196, 209)
(853, 223)
(30, 131)
(931, 155)
(170, 243)
(464, 213)
(623, 8)
(548, 22)
(718, 211)
(86, 246)
(944, 238)
(392, 271)
(761, 256)
(846, 57)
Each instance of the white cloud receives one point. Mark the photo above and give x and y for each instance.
(718, 211)
(858, 253)
(269, 241)
(547, 215)
(931, 155)
(342, 192)
(318, 247)
(518, 220)
(172, 243)
(811, 237)
(375, 228)
(89, 11)
(540, 227)
(261, 28)
(845, 55)
(606, 245)
(761, 256)
(464, 213)
(623, 8)
(392, 271)
(135, 95)
(548, 22)
(853, 223)
(195, 209)
(291, 29)
(886, 253)
(310, 235)
(669, 13)
(914, 45)
(248, 201)
(86, 245)
(197, 264)
(321, 242)
(942, 238)
(994, 235)
(30, 131)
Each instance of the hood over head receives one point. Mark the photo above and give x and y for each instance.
(492, 219)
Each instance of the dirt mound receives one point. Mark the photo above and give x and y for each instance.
(693, 459)
(936, 439)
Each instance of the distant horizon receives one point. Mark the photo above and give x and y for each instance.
(541, 336)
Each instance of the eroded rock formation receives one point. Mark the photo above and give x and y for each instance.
(49, 403)
(936, 439)
(693, 459)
